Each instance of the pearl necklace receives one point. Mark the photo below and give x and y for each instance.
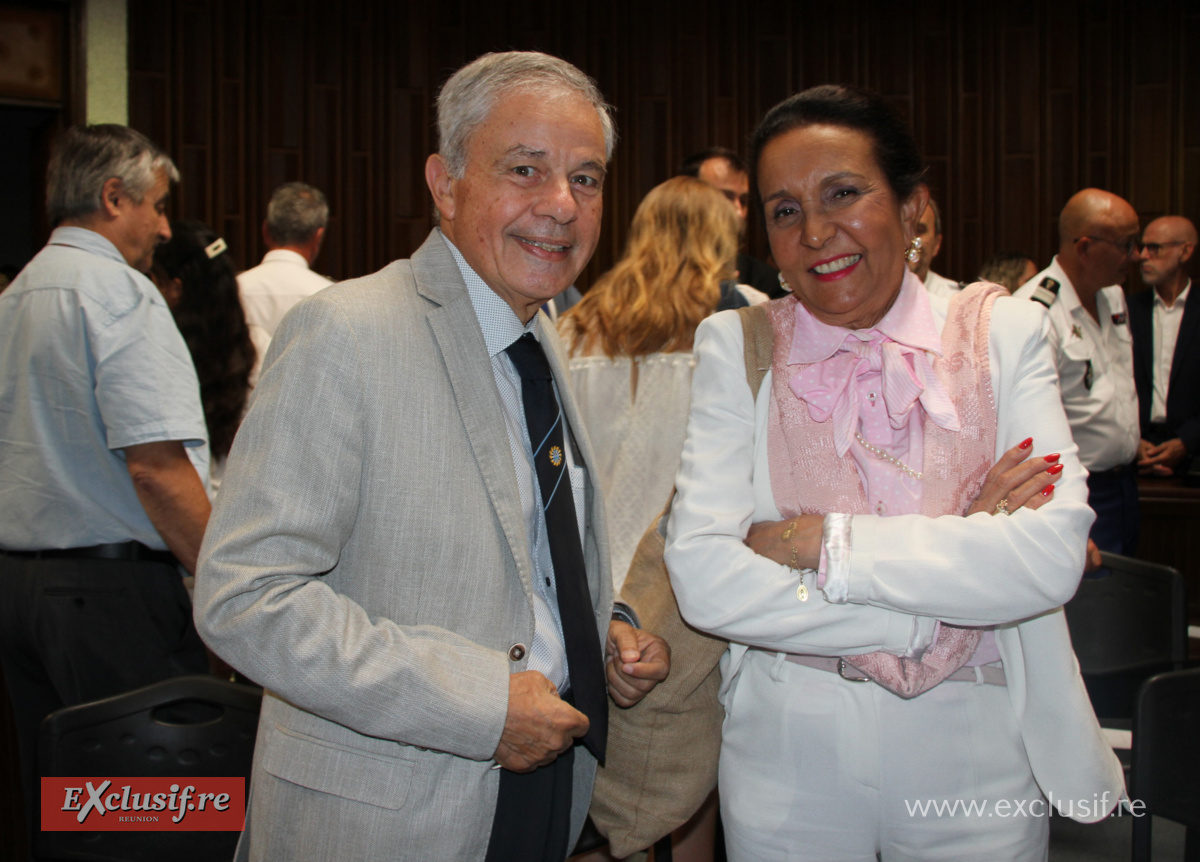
(879, 453)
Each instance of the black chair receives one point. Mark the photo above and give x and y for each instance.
(1125, 627)
(191, 726)
(1165, 776)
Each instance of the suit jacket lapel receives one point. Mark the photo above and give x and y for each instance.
(459, 339)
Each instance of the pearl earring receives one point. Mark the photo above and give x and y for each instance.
(783, 283)
(913, 252)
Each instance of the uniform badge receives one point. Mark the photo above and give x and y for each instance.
(556, 456)
(1076, 331)
(1119, 319)
(1046, 292)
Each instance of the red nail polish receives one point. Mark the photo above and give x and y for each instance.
(1048, 490)
(1055, 470)
(1050, 459)
(1026, 443)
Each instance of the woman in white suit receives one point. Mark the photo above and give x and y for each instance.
(900, 680)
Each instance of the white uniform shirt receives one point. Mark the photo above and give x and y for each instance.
(1095, 370)
(1166, 333)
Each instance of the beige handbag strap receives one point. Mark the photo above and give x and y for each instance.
(758, 347)
(757, 344)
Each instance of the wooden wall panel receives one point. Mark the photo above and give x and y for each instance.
(1016, 105)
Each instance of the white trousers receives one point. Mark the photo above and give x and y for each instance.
(814, 767)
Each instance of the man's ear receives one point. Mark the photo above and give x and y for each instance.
(110, 196)
(441, 186)
(911, 209)
(314, 245)
(1188, 248)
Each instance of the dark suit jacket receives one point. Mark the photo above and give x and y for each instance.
(757, 274)
(1183, 393)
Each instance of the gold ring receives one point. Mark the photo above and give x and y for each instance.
(1002, 507)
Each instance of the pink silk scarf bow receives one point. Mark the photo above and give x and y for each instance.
(830, 388)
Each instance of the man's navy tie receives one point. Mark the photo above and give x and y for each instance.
(544, 417)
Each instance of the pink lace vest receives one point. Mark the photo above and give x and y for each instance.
(808, 477)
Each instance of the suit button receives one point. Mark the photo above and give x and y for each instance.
(516, 652)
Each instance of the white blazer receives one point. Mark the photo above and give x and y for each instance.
(907, 571)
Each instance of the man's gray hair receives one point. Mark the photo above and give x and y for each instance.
(295, 213)
(86, 157)
(469, 96)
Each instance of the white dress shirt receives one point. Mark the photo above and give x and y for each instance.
(269, 290)
(1167, 319)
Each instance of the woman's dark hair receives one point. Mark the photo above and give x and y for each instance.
(849, 107)
(209, 315)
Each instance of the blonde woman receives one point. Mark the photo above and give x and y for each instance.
(630, 342)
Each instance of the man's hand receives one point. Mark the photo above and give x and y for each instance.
(636, 661)
(1091, 562)
(1160, 460)
(540, 725)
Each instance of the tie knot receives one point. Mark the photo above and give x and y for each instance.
(528, 358)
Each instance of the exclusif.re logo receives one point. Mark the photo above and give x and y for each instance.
(143, 804)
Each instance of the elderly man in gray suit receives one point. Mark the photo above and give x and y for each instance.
(409, 548)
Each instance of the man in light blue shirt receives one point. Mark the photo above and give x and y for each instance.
(104, 454)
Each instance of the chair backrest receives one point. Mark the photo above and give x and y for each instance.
(191, 726)
(1133, 619)
(1166, 755)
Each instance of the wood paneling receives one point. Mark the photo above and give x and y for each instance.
(1016, 105)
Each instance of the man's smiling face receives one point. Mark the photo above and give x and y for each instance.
(526, 212)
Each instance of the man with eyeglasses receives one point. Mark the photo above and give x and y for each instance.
(1166, 349)
(1089, 331)
(727, 172)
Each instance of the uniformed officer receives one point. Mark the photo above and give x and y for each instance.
(1089, 331)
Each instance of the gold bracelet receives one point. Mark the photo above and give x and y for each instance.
(788, 536)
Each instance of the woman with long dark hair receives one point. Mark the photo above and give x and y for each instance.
(876, 538)
(198, 279)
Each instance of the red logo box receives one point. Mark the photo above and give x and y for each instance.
(143, 804)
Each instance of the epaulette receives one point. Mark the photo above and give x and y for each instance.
(1046, 292)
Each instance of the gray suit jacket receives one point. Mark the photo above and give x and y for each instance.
(367, 562)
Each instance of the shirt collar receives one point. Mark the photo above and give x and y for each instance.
(1179, 300)
(500, 324)
(285, 255)
(87, 240)
(1066, 290)
(909, 322)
